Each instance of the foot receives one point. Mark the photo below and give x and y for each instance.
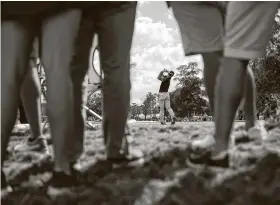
(202, 150)
(33, 144)
(134, 157)
(208, 159)
(258, 132)
(62, 183)
(173, 121)
(203, 145)
(128, 134)
(5, 187)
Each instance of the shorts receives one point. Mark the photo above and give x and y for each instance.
(240, 29)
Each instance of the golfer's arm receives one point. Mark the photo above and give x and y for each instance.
(160, 76)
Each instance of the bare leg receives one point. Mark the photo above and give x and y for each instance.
(211, 69)
(79, 68)
(22, 114)
(17, 43)
(58, 37)
(115, 40)
(250, 99)
(229, 92)
(30, 95)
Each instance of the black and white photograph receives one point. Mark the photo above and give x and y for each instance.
(140, 102)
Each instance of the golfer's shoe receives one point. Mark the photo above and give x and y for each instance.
(258, 132)
(38, 144)
(5, 187)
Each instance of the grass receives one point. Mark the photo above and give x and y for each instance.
(164, 179)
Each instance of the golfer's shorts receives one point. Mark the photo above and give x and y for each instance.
(240, 29)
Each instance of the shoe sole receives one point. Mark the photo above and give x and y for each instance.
(34, 148)
(54, 192)
(5, 192)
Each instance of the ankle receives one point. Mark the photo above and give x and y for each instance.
(65, 169)
(219, 148)
(250, 123)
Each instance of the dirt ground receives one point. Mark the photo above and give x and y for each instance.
(164, 179)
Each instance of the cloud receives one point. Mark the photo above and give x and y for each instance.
(156, 45)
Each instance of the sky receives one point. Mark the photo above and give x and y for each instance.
(156, 45)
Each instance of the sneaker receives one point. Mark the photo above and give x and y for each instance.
(5, 187)
(173, 121)
(135, 157)
(62, 183)
(203, 145)
(221, 160)
(38, 144)
(258, 132)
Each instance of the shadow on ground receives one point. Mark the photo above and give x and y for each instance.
(164, 179)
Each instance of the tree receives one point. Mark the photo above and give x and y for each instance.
(267, 69)
(135, 110)
(149, 102)
(188, 96)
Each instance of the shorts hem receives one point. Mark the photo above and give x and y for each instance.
(242, 54)
(200, 51)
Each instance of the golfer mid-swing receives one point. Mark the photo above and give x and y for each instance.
(164, 97)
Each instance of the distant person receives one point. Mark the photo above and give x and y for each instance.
(164, 97)
(228, 35)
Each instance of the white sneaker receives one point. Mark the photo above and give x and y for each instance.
(5, 187)
(203, 145)
(258, 132)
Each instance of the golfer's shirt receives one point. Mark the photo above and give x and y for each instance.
(164, 87)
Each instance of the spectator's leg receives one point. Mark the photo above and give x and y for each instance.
(115, 38)
(200, 38)
(210, 72)
(30, 95)
(229, 92)
(245, 38)
(31, 99)
(250, 108)
(79, 68)
(22, 115)
(59, 33)
(17, 38)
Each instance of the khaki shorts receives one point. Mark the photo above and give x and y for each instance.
(241, 29)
